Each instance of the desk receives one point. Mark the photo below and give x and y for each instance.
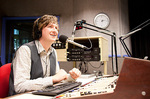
(133, 83)
(89, 84)
(28, 95)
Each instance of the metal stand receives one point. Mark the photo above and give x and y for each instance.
(79, 25)
(123, 37)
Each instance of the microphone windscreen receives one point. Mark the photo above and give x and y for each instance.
(63, 38)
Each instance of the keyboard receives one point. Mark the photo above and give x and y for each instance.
(57, 89)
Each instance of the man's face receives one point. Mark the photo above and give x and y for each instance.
(50, 32)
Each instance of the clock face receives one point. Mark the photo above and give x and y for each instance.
(102, 20)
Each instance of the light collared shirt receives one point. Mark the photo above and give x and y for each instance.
(22, 68)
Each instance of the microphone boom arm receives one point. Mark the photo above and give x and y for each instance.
(113, 40)
(123, 37)
(130, 33)
(136, 29)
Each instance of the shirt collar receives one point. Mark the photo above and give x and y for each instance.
(41, 49)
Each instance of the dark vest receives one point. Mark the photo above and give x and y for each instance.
(36, 66)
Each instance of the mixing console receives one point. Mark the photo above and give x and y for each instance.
(98, 86)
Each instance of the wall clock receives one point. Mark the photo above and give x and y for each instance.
(102, 20)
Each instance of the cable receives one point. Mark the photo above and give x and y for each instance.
(86, 67)
(88, 39)
(94, 66)
(83, 69)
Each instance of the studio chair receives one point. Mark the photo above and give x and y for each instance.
(4, 79)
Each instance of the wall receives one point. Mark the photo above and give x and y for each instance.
(71, 11)
(115, 9)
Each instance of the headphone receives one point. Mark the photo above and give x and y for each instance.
(38, 33)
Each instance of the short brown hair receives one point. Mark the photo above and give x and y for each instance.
(42, 22)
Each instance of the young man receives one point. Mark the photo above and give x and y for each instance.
(35, 64)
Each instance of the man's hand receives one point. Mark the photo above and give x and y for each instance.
(75, 73)
(61, 75)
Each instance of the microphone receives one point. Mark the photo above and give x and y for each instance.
(64, 38)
